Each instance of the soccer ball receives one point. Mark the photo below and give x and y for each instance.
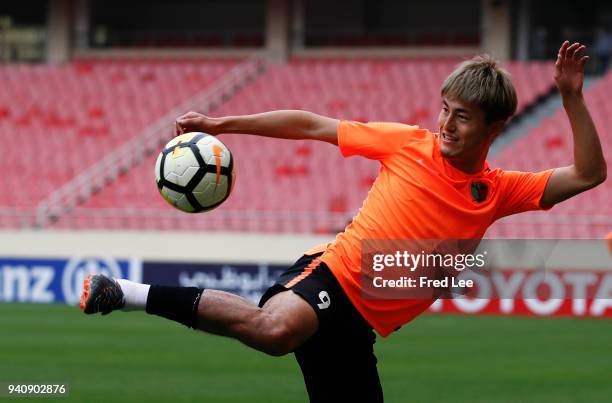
(195, 172)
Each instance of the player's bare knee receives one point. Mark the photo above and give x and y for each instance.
(280, 340)
(287, 322)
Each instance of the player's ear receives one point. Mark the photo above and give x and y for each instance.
(495, 129)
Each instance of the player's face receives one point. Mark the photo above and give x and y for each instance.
(464, 134)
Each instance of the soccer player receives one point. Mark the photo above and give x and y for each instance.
(430, 186)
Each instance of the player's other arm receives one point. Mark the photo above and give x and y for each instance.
(283, 124)
(589, 168)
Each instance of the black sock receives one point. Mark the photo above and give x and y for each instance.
(179, 304)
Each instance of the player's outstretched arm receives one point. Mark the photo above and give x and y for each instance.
(589, 168)
(284, 124)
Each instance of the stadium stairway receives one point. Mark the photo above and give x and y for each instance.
(542, 140)
(67, 117)
(133, 151)
(541, 109)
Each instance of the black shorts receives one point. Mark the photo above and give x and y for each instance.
(338, 361)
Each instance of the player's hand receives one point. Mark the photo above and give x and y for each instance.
(195, 122)
(569, 69)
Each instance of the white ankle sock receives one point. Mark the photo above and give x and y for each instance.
(135, 295)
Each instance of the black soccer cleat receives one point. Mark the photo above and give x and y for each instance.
(101, 294)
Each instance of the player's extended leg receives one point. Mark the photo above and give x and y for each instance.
(284, 323)
(306, 311)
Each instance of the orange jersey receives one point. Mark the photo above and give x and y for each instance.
(418, 195)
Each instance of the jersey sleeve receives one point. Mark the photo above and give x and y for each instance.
(375, 141)
(522, 191)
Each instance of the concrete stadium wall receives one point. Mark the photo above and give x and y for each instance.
(159, 246)
(272, 249)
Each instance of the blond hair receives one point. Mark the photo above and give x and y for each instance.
(482, 82)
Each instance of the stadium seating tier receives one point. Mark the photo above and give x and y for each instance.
(68, 117)
(73, 115)
(285, 186)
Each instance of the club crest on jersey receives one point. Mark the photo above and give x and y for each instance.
(479, 191)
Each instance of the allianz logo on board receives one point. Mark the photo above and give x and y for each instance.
(78, 268)
(57, 280)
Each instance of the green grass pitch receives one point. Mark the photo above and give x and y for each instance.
(131, 357)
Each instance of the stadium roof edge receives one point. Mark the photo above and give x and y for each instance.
(410, 51)
(184, 53)
(318, 52)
